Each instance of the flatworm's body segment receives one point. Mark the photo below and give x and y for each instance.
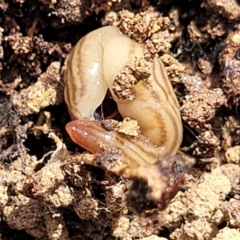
(136, 152)
(96, 64)
(92, 67)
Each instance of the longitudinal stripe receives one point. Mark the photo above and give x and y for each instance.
(165, 84)
(172, 111)
(71, 80)
(92, 66)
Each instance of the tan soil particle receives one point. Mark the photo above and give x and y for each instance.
(205, 66)
(215, 27)
(212, 29)
(47, 185)
(138, 70)
(129, 127)
(207, 138)
(76, 11)
(55, 225)
(45, 92)
(150, 27)
(231, 211)
(173, 67)
(20, 44)
(233, 154)
(198, 205)
(199, 109)
(86, 208)
(195, 32)
(230, 133)
(38, 232)
(109, 124)
(230, 64)
(111, 159)
(228, 233)
(23, 213)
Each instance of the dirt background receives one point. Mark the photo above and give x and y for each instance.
(49, 188)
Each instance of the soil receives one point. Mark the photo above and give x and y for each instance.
(50, 188)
